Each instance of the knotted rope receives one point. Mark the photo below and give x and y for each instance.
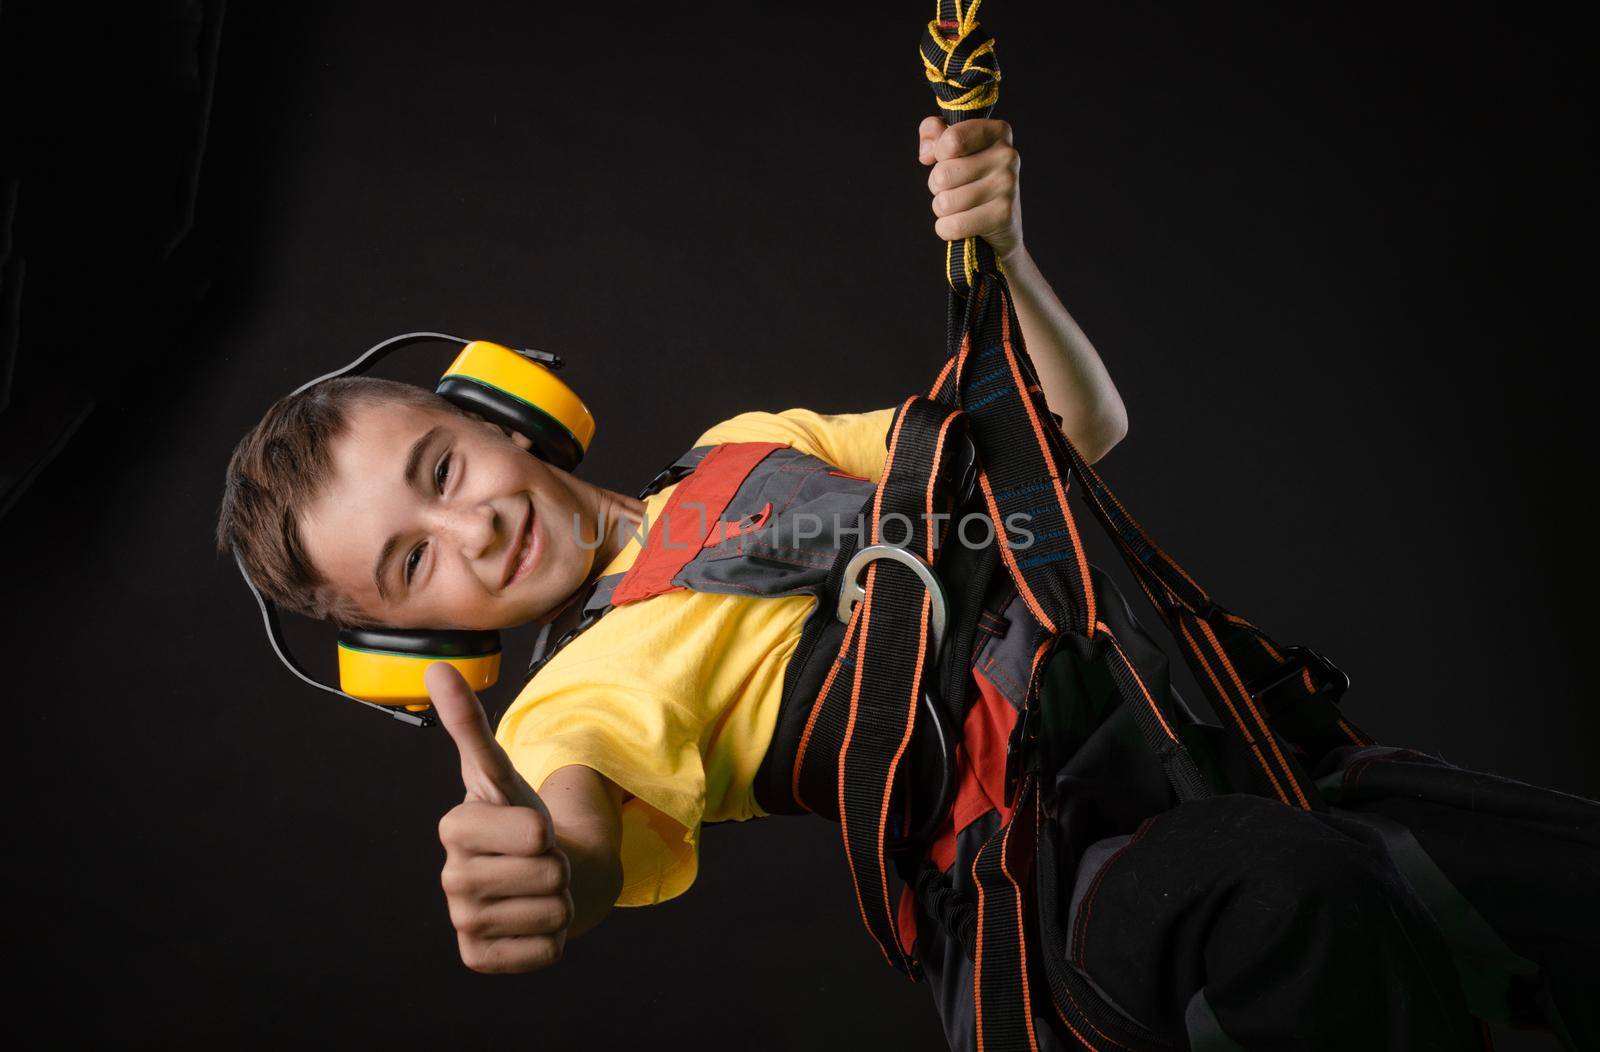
(959, 60)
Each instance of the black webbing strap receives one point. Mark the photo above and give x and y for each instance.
(1001, 874)
(1022, 475)
(861, 725)
(1296, 688)
(1263, 691)
(1155, 720)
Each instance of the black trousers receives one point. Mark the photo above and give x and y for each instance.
(1425, 899)
(1424, 896)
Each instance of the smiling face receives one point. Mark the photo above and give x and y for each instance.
(433, 519)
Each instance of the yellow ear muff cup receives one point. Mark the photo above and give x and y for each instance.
(385, 666)
(508, 389)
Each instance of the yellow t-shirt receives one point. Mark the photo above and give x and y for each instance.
(675, 698)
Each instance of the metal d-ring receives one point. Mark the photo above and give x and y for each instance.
(850, 593)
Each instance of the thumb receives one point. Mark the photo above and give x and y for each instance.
(928, 133)
(486, 770)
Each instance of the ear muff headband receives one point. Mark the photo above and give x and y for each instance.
(382, 668)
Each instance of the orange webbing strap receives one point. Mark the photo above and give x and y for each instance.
(859, 730)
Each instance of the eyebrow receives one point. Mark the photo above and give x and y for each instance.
(386, 555)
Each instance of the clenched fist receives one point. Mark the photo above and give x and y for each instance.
(974, 182)
(506, 880)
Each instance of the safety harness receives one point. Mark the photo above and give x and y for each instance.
(1279, 704)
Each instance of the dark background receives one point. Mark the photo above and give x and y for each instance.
(1331, 257)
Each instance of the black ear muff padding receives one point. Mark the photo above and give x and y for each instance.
(439, 643)
(552, 442)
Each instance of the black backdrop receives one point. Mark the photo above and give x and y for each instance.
(1328, 256)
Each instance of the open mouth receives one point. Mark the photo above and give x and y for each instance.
(529, 546)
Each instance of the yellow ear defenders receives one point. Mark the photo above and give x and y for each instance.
(382, 668)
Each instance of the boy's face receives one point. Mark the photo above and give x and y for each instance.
(436, 520)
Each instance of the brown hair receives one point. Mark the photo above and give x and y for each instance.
(277, 469)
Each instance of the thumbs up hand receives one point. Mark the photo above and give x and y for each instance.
(507, 882)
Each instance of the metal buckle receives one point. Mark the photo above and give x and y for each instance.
(1022, 738)
(666, 476)
(1298, 659)
(851, 592)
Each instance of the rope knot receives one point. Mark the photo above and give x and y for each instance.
(959, 60)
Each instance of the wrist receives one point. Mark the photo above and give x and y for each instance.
(1016, 259)
(595, 882)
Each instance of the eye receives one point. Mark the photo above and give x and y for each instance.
(441, 474)
(413, 560)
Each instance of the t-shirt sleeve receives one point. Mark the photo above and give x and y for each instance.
(853, 442)
(643, 743)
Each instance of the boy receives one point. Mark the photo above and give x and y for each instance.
(488, 537)
(372, 503)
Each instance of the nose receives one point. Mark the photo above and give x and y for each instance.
(473, 528)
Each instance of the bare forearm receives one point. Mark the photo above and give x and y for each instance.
(1076, 383)
(586, 809)
(596, 877)
(976, 193)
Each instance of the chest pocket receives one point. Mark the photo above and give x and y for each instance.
(782, 528)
